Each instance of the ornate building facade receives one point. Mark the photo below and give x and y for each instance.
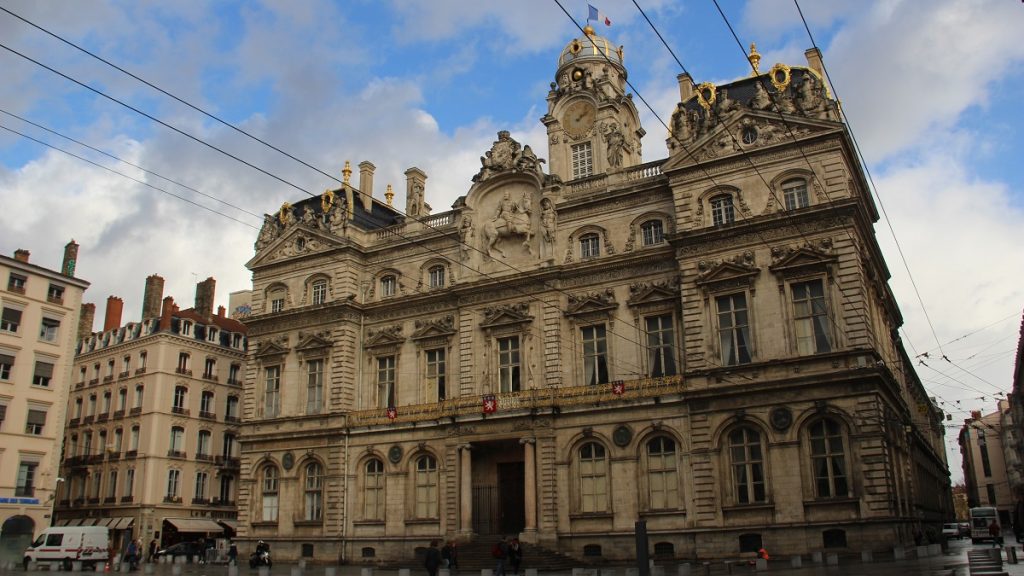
(40, 310)
(704, 342)
(152, 431)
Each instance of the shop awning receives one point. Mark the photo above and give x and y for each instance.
(195, 525)
(62, 522)
(74, 522)
(120, 523)
(93, 522)
(230, 523)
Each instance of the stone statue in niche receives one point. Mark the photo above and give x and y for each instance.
(308, 218)
(681, 124)
(465, 236)
(511, 219)
(761, 100)
(724, 105)
(414, 203)
(616, 142)
(548, 221)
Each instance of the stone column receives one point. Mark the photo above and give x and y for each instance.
(530, 487)
(465, 490)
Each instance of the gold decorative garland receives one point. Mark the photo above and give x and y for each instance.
(706, 102)
(284, 214)
(780, 85)
(327, 200)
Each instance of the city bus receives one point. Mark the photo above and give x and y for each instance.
(981, 518)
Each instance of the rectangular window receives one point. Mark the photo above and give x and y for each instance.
(26, 479)
(233, 372)
(10, 320)
(210, 368)
(173, 482)
(142, 361)
(133, 440)
(590, 246)
(386, 381)
(232, 408)
(3, 414)
(271, 391)
(112, 484)
(595, 355)
(6, 365)
(138, 397)
(990, 491)
(16, 283)
(200, 493)
(129, 482)
(277, 305)
(314, 386)
(35, 422)
(795, 194)
(509, 364)
(436, 373)
(387, 286)
(319, 292)
(126, 365)
(106, 403)
(206, 401)
(811, 317)
(661, 354)
(436, 277)
(733, 329)
(122, 399)
(582, 160)
(48, 330)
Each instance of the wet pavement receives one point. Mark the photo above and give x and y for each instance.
(954, 562)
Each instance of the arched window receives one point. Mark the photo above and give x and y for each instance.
(319, 291)
(203, 445)
(663, 482)
(373, 490)
(388, 285)
(314, 492)
(180, 400)
(269, 485)
(426, 487)
(590, 246)
(436, 274)
(828, 459)
(746, 455)
(795, 193)
(722, 210)
(177, 446)
(652, 232)
(593, 478)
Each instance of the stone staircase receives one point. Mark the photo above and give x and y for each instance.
(476, 555)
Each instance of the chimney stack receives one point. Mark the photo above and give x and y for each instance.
(112, 317)
(85, 320)
(814, 62)
(221, 311)
(204, 297)
(67, 268)
(21, 255)
(366, 169)
(166, 311)
(151, 297)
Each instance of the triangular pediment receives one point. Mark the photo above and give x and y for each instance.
(436, 328)
(299, 239)
(591, 303)
(653, 292)
(313, 343)
(803, 258)
(267, 349)
(745, 131)
(386, 336)
(727, 272)
(506, 315)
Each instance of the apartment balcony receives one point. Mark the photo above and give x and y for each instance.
(113, 456)
(205, 457)
(75, 461)
(59, 300)
(16, 289)
(118, 413)
(74, 422)
(207, 415)
(135, 411)
(234, 382)
(65, 503)
(176, 454)
(88, 419)
(228, 462)
(172, 499)
(183, 371)
(110, 500)
(210, 377)
(94, 381)
(79, 385)
(607, 395)
(26, 491)
(232, 419)
(95, 458)
(140, 370)
(131, 454)
(125, 499)
(200, 501)
(218, 502)
(79, 502)
(108, 378)
(179, 410)
(123, 374)
(94, 501)
(102, 417)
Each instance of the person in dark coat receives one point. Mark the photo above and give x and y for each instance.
(450, 555)
(432, 561)
(515, 555)
(152, 551)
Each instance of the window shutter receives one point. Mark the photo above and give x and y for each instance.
(7, 359)
(3, 412)
(11, 315)
(44, 369)
(37, 417)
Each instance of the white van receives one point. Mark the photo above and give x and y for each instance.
(67, 544)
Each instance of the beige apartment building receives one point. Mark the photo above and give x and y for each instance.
(153, 417)
(987, 445)
(40, 310)
(705, 342)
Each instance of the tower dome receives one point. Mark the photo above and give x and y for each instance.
(590, 48)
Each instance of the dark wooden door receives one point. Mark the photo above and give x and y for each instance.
(511, 484)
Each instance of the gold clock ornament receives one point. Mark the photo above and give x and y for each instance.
(579, 118)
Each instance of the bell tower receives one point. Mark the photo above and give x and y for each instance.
(593, 126)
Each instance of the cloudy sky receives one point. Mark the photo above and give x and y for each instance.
(932, 90)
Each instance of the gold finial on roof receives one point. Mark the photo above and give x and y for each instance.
(389, 195)
(588, 30)
(346, 172)
(755, 60)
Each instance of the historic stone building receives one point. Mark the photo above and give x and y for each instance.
(705, 342)
(991, 469)
(152, 431)
(40, 310)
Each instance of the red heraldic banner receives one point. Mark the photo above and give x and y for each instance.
(490, 404)
(618, 387)
(392, 412)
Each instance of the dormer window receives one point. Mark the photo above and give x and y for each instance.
(722, 210)
(211, 334)
(795, 193)
(653, 232)
(186, 328)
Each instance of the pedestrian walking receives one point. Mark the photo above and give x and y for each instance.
(432, 559)
(500, 553)
(995, 532)
(515, 555)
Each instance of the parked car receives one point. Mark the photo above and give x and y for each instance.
(187, 549)
(951, 531)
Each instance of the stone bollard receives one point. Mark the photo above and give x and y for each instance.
(444, 572)
(922, 552)
(1011, 554)
(607, 572)
(296, 570)
(486, 572)
(330, 571)
(816, 557)
(403, 572)
(176, 570)
(76, 566)
(867, 556)
(796, 561)
(366, 572)
(531, 572)
(264, 571)
(899, 553)
(632, 571)
(684, 570)
(761, 564)
(232, 570)
(149, 568)
(935, 549)
(832, 559)
(655, 570)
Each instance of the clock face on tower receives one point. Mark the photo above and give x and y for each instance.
(579, 117)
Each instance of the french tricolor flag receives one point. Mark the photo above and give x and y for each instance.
(596, 14)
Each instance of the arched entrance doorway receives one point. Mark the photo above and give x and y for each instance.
(15, 536)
